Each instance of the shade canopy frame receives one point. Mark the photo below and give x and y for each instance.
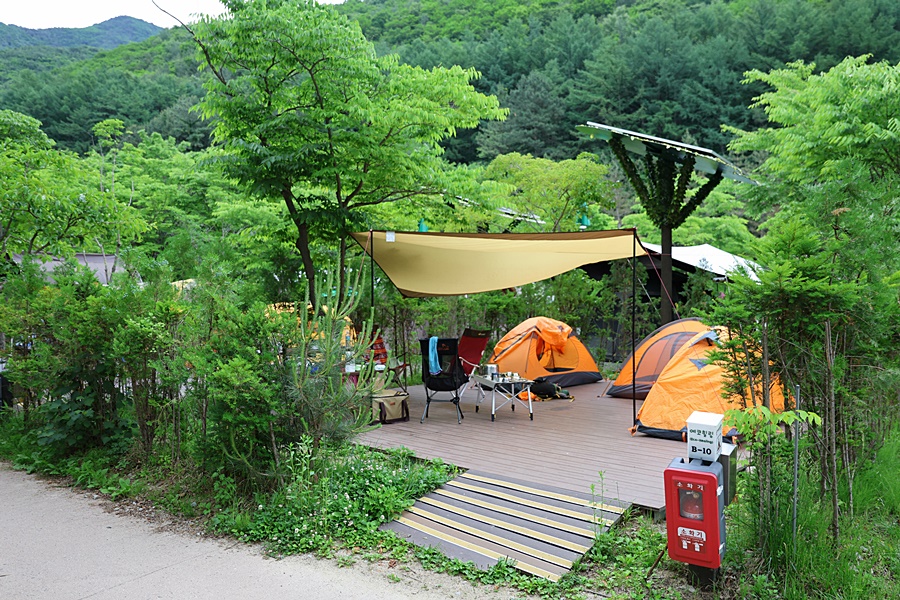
(427, 264)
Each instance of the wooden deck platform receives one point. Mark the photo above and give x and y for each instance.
(569, 445)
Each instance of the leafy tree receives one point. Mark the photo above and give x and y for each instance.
(657, 79)
(663, 188)
(536, 124)
(48, 202)
(174, 190)
(181, 122)
(507, 54)
(61, 354)
(569, 42)
(23, 316)
(558, 193)
(143, 341)
(833, 169)
(720, 221)
(310, 115)
(835, 122)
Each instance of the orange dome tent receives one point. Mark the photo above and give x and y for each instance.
(653, 354)
(691, 382)
(544, 347)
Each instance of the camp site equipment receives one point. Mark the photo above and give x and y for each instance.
(451, 264)
(651, 356)
(446, 376)
(544, 347)
(691, 382)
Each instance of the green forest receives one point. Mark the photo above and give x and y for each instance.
(236, 164)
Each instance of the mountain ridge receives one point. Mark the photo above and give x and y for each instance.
(105, 35)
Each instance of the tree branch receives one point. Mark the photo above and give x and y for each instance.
(699, 197)
(203, 48)
(630, 169)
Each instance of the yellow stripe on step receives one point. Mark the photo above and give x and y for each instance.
(539, 492)
(480, 533)
(574, 546)
(519, 500)
(524, 566)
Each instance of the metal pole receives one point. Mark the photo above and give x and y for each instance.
(796, 466)
(372, 270)
(633, 332)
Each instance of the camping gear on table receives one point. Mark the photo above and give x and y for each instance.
(544, 347)
(651, 356)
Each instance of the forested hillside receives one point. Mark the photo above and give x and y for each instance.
(108, 34)
(671, 69)
(38, 59)
(213, 364)
(149, 85)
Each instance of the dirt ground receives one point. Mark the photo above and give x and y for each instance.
(63, 543)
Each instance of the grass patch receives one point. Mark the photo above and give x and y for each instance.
(336, 498)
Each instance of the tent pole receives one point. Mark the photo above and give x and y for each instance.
(633, 319)
(372, 271)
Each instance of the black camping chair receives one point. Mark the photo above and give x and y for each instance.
(449, 380)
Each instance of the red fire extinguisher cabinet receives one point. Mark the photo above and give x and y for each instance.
(695, 517)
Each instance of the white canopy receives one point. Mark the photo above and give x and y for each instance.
(709, 258)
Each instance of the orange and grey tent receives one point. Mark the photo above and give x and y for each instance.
(651, 356)
(692, 382)
(544, 347)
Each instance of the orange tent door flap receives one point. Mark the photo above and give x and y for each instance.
(561, 360)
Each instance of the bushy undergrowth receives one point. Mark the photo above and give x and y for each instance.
(864, 564)
(335, 497)
(95, 469)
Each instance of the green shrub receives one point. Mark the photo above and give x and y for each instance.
(339, 494)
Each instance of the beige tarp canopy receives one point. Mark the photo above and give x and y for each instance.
(452, 264)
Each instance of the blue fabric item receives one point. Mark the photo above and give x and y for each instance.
(434, 363)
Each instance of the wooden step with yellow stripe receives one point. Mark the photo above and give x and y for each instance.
(483, 518)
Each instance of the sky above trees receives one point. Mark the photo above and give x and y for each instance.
(43, 14)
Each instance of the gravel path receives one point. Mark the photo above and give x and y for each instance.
(57, 543)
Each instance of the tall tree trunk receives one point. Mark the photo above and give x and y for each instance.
(765, 477)
(832, 432)
(666, 293)
(302, 244)
(766, 374)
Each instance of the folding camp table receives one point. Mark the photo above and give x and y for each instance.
(508, 389)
